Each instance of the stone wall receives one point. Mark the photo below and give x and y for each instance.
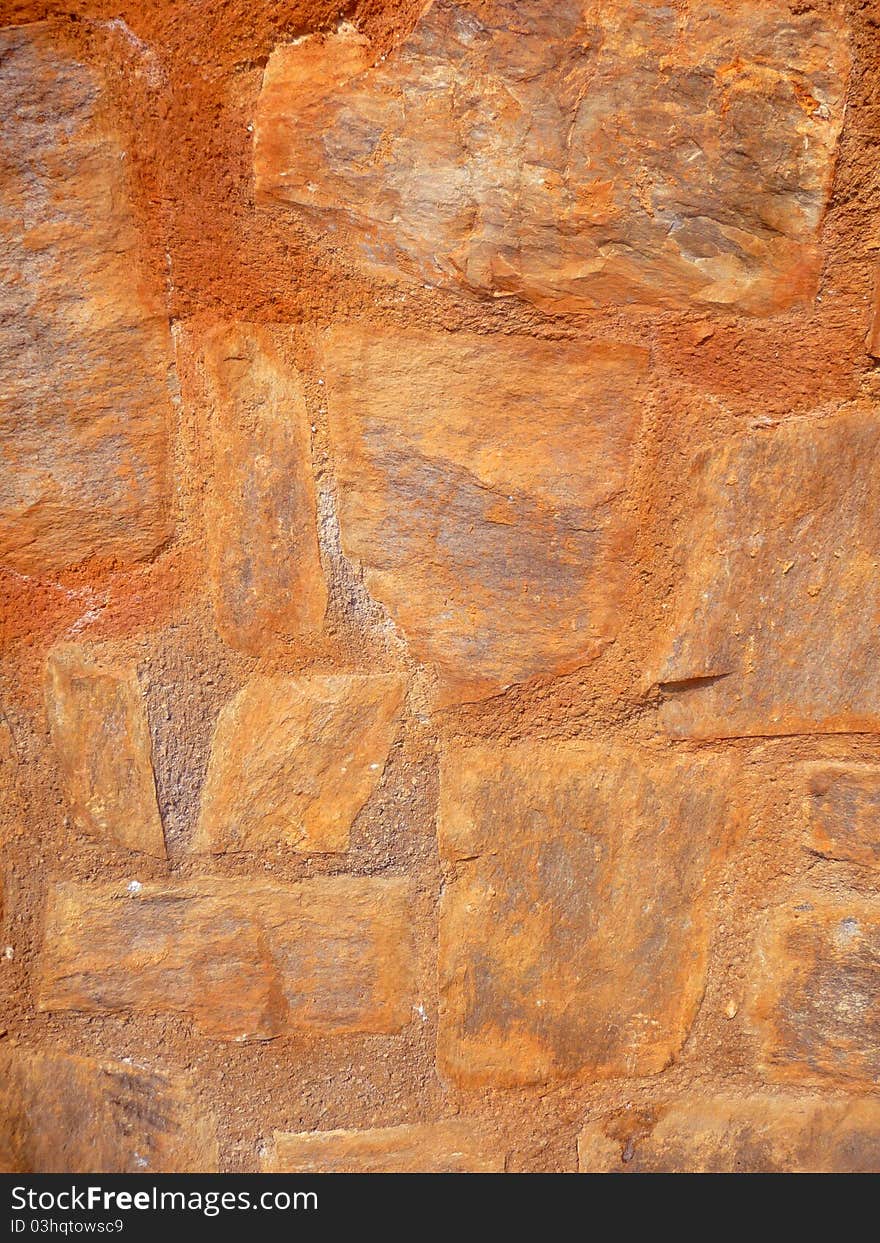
(440, 602)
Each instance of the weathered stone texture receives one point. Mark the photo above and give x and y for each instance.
(843, 811)
(102, 744)
(249, 960)
(66, 1115)
(481, 486)
(574, 928)
(295, 759)
(453, 1146)
(774, 630)
(573, 152)
(815, 1001)
(265, 566)
(762, 1134)
(84, 345)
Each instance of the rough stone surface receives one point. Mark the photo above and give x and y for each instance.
(61, 1114)
(481, 488)
(574, 927)
(295, 759)
(774, 629)
(84, 397)
(102, 744)
(265, 567)
(815, 1002)
(763, 1134)
(575, 153)
(248, 959)
(453, 1146)
(843, 811)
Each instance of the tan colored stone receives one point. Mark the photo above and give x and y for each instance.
(295, 759)
(85, 348)
(843, 811)
(265, 567)
(248, 960)
(872, 340)
(453, 1146)
(774, 628)
(815, 1001)
(574, 927)
(577, 153)
(61, 1114)
(762, 1134)
(102, 743)
(482, 483)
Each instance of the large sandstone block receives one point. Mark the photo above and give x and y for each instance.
(295, 759)
(482, 483)
(265, 567)
(762, 1134)
(453, 1146)
(815, 1002)
(774, 628)
(843, 811)
(61, 1114)
(574, 927)
(102, 743)
(576, 153)
(84, 342)
(249, 960)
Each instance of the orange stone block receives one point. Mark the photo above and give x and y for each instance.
(774, 627)
(61, 1114)
(575, 920)
(760, 1134)
(102, 744)
(453, 1146)
(574, 153)
(247, 959)
(261, 518)
(482, 486)
(84, 402)
(815, 1000)
(295, 759)
(843, 811)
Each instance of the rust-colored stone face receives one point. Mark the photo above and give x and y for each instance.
(248, 961)
(774, 629)
(579, 153)
(815, 1001)
(574, 925)
(102, 744)
(843, 811)
(763, 1134)
(84, 397)
(266, 575)
(65, 1115)
(482, 484)
(453, 1146)
(295, 759)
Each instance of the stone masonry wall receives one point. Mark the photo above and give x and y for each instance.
(440, 558)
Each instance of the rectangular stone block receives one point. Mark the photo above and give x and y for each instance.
(843, 811)
(247, 959)
(84, 343)
(266, 576)
(773, 629)
(294, 760)
(756, 1134)
(575, 922)
(61, 1114)
(453, 1146)
(102, 744)
(815, 989)
(482, 488)
(574, 153)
